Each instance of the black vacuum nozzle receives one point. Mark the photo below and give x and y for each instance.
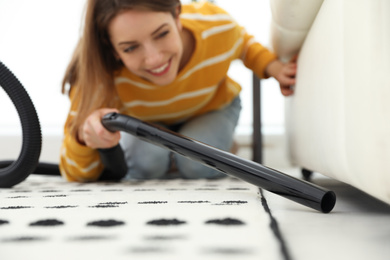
(300, 191)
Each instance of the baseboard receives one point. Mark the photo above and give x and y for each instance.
(275, 153)
(11, 146)
(274, 148)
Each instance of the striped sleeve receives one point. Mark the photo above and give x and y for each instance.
(78, 162)
(255, 56)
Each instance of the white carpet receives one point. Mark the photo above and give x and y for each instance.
(49, 218)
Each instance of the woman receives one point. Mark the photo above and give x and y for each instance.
(162, 62)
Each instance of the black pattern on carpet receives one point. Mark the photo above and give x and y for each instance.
(46, 217)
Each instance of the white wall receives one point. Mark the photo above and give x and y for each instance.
(37, 38)
(36, 41)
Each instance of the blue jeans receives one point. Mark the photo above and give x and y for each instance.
(215, 128)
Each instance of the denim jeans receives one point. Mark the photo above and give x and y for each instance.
(215, 128)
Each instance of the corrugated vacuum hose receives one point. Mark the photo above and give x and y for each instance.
(28, 158)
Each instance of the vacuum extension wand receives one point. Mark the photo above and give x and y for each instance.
(274, 181)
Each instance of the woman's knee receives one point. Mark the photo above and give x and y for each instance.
(146, 161)
(153, 166)
(195, 170)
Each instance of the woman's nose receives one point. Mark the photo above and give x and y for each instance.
(152, 55)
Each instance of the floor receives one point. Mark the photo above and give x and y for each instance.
(245, 224)
(357, 228)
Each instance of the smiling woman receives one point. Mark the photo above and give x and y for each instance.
(38, 51)
(163, 62)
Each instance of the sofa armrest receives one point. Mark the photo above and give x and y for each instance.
(291, 21)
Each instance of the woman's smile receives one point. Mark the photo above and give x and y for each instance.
(160, 71)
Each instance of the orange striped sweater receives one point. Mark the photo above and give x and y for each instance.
(201, 86)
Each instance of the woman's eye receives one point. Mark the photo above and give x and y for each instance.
(163, 34)
(131, 48)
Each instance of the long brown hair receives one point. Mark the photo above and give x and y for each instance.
(92, 68)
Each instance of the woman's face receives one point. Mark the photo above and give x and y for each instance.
(148, 43)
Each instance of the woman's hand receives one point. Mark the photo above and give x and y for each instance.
(93, 134)
(284, 73)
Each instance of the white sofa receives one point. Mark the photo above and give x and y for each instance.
(338, 120)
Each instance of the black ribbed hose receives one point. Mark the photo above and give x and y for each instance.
(28, 158)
